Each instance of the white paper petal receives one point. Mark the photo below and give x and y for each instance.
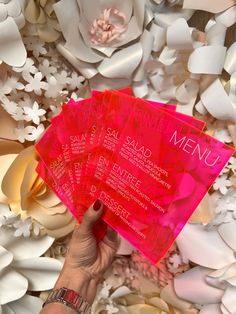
(88, 70)
(101, 83)
(5, 257)
(224, 309)
(207, 60)
(125, 248)
(122, 63)
(230, 61)
(12, 49)
(12, 286)
(210, 309)
(204, 246)
(228, 17)
(228, 233)
(216, 35)
(7, 310)
(147, 44)
(214, 6)
(159, 34)
(229, 299)
(41, 272)
(192, 286)
(169, 15)
(120, 292)
(210, 97)
(179, 35)
(225, 275)
(3, 12)
(26, 305)
(23, 248)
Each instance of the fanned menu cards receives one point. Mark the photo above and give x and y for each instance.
(147, 163)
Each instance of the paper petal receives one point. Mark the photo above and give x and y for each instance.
(124, 247)
(12, 286)
(228, 233)
(12, 49)
(224, 275)
(191, 286)
(229, 299)
(26, 305)
(88, 70)
(11, 187)
(210, 97)
(210, 309)
(120, 292)
(23, 248)
(179, 35)
(7, 125)
(230, 61)
(214, 6)
(228, 17)
(169, 15)
(41, 272)
(122, 63)
(5, 162)
(5, 257)
(204, 246)
(101, 83)
(207, 60)
(159, 34)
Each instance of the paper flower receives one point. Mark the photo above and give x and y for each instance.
(34, 113)
(27, 194)
(12, 51)
(123, 300)
(21, 266)
(95, 33)
(42, 20)
(222, 184)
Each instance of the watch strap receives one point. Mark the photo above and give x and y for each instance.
(69, 298)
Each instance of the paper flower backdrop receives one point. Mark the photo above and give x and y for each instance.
(167, 50)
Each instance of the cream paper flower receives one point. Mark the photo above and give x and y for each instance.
(26, 192)
(42, 19)
(12, 50)
(95, 32)
(20, 268)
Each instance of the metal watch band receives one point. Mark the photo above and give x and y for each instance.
(70, 298)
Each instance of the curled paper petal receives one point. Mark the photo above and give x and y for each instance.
(207, 60)
(228, 234)
(228, 299)
(196, 241)
(12, 49)
(159, 34)
(213, 6)
(168, 15)
(122, 63)
(228, 274)
(88, 70)
(12, 286)
(26, 305)
(216, 35)
(41, 272)
(5, 258)
(24, 248)
(228, 17)
(179, 35)
(230, 61)
(192, 286)
(215, 94)
(211, 308)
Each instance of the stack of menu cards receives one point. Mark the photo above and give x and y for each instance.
(147, 163)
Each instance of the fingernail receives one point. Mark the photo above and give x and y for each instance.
(97, 205)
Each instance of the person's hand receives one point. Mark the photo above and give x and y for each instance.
(85, 254)
(87, 260)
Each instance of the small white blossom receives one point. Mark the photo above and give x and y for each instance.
(35, 83)
(222, 184)
(34, 113)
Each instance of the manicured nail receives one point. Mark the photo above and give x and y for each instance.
(97, 205)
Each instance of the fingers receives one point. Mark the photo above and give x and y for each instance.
(93, 213)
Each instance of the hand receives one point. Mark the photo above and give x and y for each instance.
(87, 260)
(85, 254)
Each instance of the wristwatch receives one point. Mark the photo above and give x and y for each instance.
(69, 298)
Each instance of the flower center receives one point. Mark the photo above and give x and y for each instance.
(108, 27)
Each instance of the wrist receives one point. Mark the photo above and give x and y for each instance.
(77, 280)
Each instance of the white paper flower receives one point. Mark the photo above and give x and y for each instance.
(95, 33)
(27, 68)
(34, 114)
(222, 184)
(13, 50)
(21, 266)
(35, 83)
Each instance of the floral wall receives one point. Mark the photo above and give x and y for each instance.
(172, 51)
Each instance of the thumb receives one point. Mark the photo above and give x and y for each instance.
(93, 213)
